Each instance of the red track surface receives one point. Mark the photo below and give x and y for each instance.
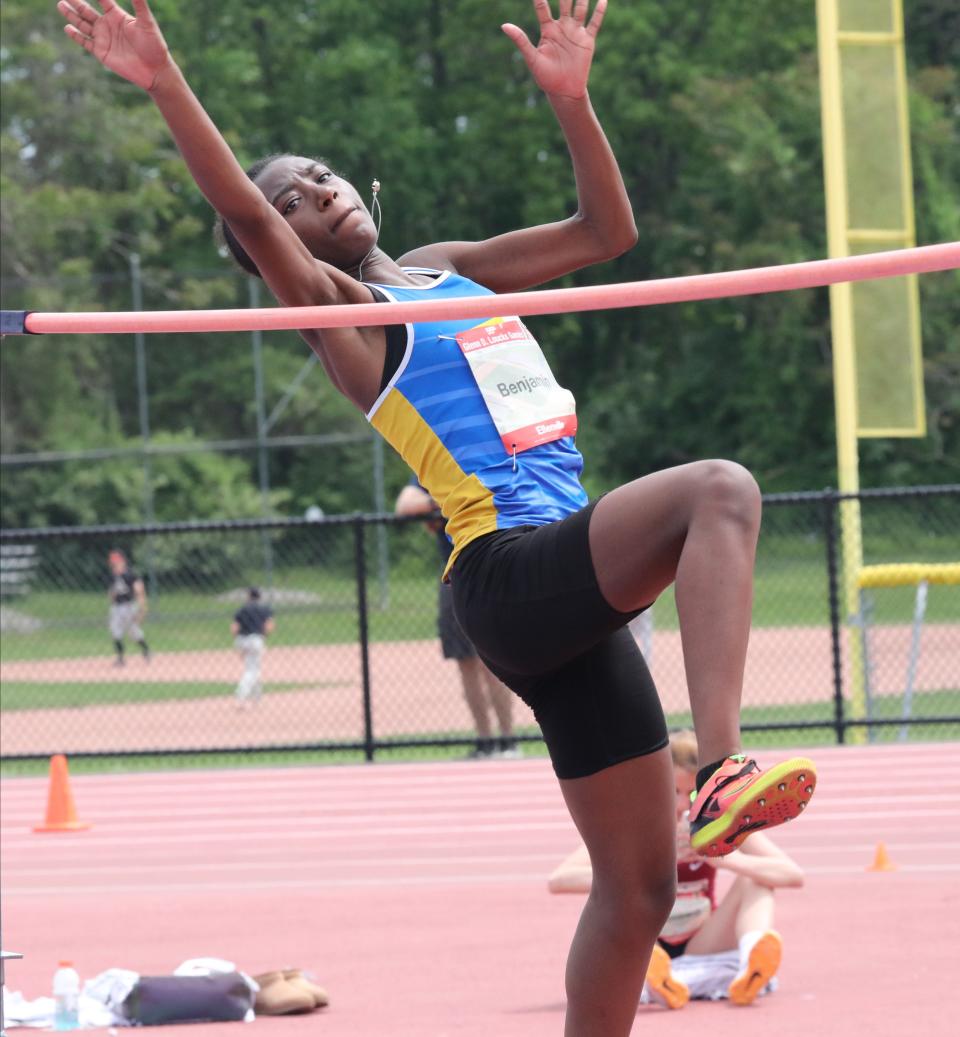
(417, 894)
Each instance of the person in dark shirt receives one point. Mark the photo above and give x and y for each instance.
(250, 627)
(483, 692)
(128, 606)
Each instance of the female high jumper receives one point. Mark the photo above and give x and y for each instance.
(544, 582)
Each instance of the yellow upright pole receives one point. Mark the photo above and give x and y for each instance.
(841, 320)
(909, 224)
(877, 356)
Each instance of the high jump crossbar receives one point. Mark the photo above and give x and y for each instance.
(756, 281)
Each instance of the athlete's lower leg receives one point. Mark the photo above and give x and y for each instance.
(714, 595)
(501, 699)
(625, 815)
(609, 955)
(471, 677)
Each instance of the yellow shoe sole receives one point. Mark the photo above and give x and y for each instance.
(778, 795)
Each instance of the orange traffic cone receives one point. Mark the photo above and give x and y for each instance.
(61, 812)
(881, 860)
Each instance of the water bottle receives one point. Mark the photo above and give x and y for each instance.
(66, 997)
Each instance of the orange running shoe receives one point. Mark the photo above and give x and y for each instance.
(663, 987)
(739, 798)
(761, 968)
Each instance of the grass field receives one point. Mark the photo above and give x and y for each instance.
(16, 695)
(789, 591)
(317, 607)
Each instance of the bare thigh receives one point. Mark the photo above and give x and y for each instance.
(638, 531)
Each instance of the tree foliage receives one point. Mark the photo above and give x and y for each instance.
(713, 111)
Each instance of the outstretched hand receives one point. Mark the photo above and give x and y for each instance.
(560, 63)
(133, 47)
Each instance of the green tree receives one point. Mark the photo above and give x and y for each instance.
(713, 111)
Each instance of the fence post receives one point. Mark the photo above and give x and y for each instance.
(263, 461)
(833, 594)
(360, 557)
(143, 408)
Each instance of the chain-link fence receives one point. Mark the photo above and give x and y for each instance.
(866, 650)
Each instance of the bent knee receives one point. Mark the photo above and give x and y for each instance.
(731, 490)
(642, 903)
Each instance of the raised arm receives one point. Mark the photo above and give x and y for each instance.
(603, 226)
(574, 874)
(135, 49)
(760, 859)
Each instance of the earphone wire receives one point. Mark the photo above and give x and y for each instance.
(377, 213)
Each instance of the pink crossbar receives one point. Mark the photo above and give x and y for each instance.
(789, 277)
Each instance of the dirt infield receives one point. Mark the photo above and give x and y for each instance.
(414, 690)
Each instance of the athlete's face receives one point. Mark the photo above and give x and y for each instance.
(685, 782)
(325, 211)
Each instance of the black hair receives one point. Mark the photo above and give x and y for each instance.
(225, 237)
(254, 593)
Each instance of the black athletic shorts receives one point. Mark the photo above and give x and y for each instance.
(528, 599)
(674, 950)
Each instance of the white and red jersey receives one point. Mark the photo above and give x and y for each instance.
(697, 878)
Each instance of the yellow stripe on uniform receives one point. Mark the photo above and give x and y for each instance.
(468, 504)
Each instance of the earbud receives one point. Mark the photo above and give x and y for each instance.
(378, 212)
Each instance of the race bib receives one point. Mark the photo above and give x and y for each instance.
(518, 387)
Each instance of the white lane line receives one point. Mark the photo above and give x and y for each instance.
(380, 860)
(322, 818)
(277, 806)
(351, 822)
(115, 889)
(321, 864)
(271, 803)
(455, 772)
(943, 868)
(322, 807)
(248, 779)
(98, 837)
(279, 802)
(322, 798)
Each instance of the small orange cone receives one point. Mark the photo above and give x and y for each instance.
(61, 812)
(881, 860)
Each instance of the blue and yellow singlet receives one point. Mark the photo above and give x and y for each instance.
(433, 414)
